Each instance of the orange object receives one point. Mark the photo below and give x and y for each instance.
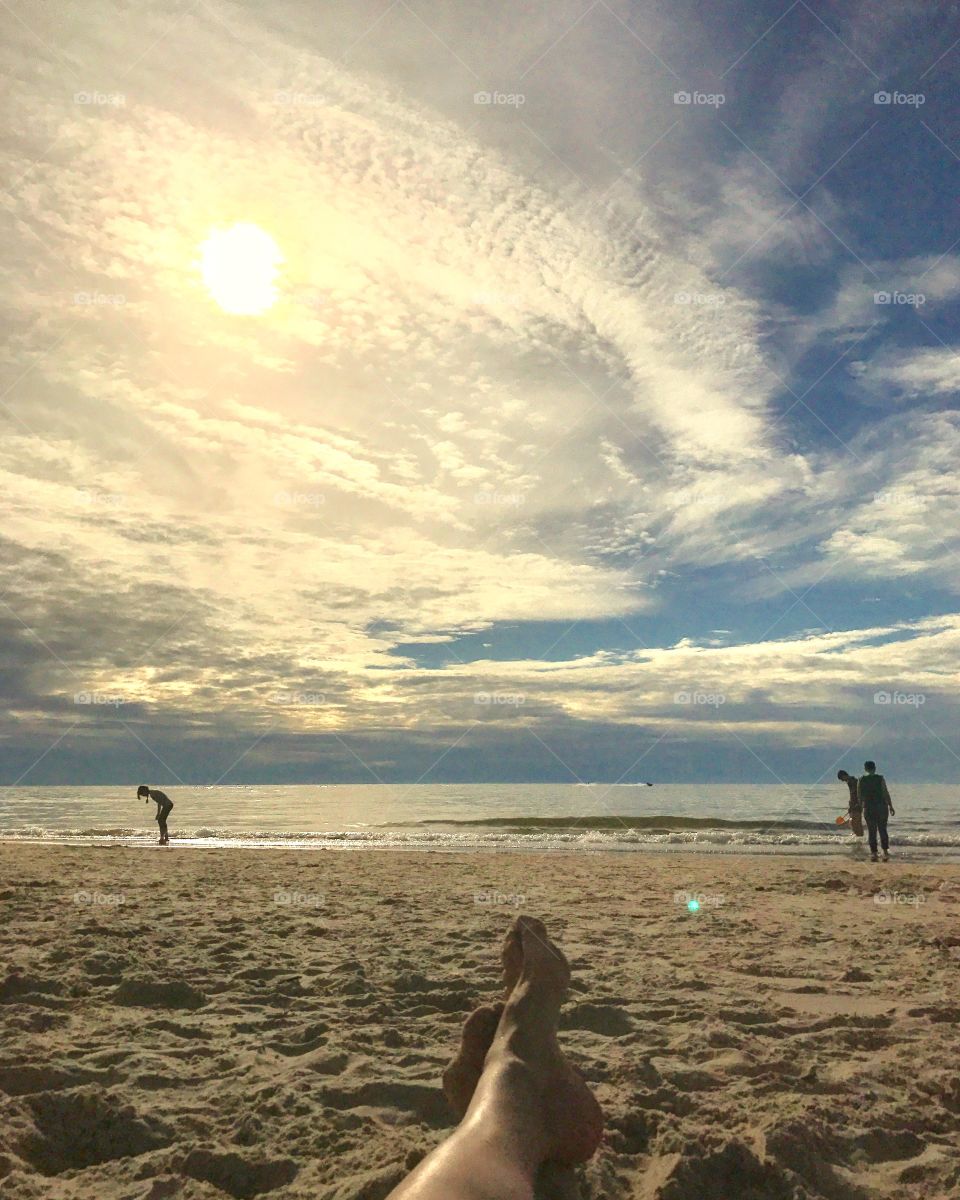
(841, 820)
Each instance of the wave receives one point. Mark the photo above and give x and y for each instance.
(592, 821)
(520, 833)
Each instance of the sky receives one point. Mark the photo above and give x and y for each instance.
(604, 425)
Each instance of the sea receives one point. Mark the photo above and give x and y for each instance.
(715, 818)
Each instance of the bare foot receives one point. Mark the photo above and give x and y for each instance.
(461, 1077)
(527, 1034)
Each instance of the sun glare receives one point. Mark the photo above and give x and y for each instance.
(239, 266)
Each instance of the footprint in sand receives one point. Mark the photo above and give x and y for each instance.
(886, 1145)
(301, 1041)
(149, 993)
(605, 1019)
(421, 1102)
(21, 988)
(20, 1079)
(696, 1173)
(190, 1032)
(237, 1175)
(631, 1133)
(83, 1127)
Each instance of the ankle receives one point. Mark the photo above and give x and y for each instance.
(508, 1107)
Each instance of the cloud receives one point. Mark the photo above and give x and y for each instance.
(481, 398)
(922, 374)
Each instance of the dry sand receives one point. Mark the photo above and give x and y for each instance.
(275, 1023)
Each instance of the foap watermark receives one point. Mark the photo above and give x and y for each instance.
(695, 901)
(887, 897)
(907, 699)
(100, 299)
(295, 699)
(500, 99)
(313, 298)
(300, 99)
(104, 699)
(700, 99)
(700, 299)
(295, 899)
(100, 99)
(910, 299)
(492, 299)
(710, 699)
(897, 99)
(91, 499)
(99, 899)
(491, 898)
(895, 498)
(299, 499)
(501, 699)
(498, 499)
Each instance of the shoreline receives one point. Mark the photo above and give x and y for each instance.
(914, 855)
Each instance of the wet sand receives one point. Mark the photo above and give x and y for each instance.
(209, 1023)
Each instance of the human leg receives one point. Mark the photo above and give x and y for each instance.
(529, 1104)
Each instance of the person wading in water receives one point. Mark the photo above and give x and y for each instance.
(164, 805)
(875, 800)
(853, 808)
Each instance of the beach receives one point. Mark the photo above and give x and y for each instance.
(201, 1023)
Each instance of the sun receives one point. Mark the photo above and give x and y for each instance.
(239, 265)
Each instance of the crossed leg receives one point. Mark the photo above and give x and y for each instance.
(522, 1103)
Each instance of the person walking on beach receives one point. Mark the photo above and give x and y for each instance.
(164, 805)
(875, 801)
(854, 808)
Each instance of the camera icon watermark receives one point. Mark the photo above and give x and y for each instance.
(103, 699)
(500, 699)
(700, 299)
(501, 499)
(492, 299)
(99, 899)
(911, 898)
(300, 99)
(910, 299)
(295, 699)
(908, 699)
(91, 499)
(100, 99)
(711, 699)
(695, 901)
(896, 99)
(100, 299)
(895, 498)
(295, 899)
(299, 499)
(491, 898)
(700, 99)
(504, 99)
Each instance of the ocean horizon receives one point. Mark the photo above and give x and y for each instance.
(483, 817)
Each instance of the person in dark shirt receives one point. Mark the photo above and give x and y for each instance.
(853, 806)
(164, 805)
(874, 798)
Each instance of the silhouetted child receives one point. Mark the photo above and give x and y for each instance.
(854, 808)
(164, 805)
